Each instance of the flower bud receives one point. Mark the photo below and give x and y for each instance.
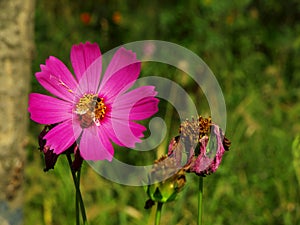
(171, 181)
(50, 156)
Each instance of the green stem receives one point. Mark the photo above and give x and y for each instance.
(158, 213)
(77, 211)
(79, 200)
(200, 196)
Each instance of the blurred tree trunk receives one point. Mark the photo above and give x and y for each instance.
(16, 47)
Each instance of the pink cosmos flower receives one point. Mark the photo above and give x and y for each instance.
(92, 109)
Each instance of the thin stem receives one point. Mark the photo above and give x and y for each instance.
(79, 200)
(77, 210)
(158, 213)
(77, 196)
(83, 213)
(200, 196)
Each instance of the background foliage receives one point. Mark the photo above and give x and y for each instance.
(253, 48)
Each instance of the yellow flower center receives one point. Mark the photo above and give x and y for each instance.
(90, 109)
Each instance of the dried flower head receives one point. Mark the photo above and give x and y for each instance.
(204, 144)
(199, 149)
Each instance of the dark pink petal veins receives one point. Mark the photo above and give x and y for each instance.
(44, 109)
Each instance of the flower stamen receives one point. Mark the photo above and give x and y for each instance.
(60, 82)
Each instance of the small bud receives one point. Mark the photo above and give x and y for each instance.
(50, 156)
(172, 182)
(78, 160)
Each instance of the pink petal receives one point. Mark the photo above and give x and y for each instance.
(48, 110)
(120, 129)
(57, 79)
(106, 127)
(90, 80)
(134, 128)
(120, 82)
(120, 59)
(126, 133)
(129, 99)
(135, 105)
(121, 73)
(144, 108)
(94, 145)
(82, 56)
(87, 64)
(137, 130)
(61, 137)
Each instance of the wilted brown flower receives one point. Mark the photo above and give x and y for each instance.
(203, 143)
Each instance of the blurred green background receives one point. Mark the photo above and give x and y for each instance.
(253, 48)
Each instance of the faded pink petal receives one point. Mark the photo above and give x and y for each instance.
(82, 56)
(56, 78)
(206, 164)
(203, 144)
(202, 163)
(121, 59)
(61, 137)
(176, 150)
(209, 141)
(95, 145)
(48, 110)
